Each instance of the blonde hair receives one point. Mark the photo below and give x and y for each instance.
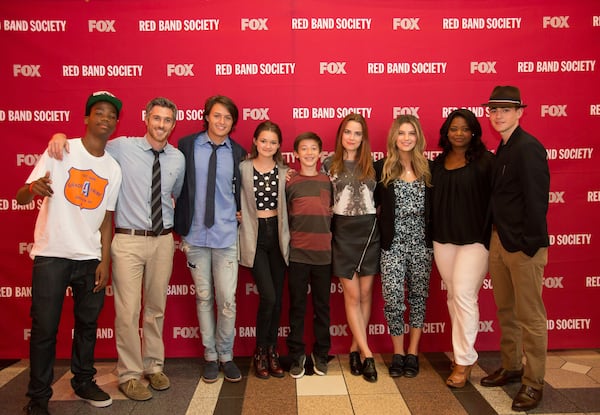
(364, 161)
(392, 168)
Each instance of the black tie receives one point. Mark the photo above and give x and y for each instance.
(156, 203)
(209, 214)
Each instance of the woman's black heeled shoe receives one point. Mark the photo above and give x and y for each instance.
(369, 371)
(356, 366)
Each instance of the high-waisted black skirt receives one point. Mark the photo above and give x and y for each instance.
(355, 246)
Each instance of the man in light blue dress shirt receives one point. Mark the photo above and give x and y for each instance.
(211, 249)
(142, 260)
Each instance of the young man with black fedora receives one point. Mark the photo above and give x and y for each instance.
(518, 249)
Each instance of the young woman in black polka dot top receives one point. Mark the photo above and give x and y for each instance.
(265, 238)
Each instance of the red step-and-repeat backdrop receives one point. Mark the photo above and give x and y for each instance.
(305, 65)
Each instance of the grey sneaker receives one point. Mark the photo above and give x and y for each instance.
(135, 390)
(159, 381)
(297, 369)
(320, 364)
(92, 394)
(231, 372)
(211, 372)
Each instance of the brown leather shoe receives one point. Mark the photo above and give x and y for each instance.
(527, 398)
(501, 377)
(275, 368)
(261, 364)
(459, 376)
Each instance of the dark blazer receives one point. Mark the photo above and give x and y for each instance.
(385, 199)
(184, 207)
(520, 189)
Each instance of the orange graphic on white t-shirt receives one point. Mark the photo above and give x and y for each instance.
(85, 188)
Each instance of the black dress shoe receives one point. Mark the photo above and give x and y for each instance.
(369, 372)
(411, 366)
(527, 398)
(356, 366)
(501, 377)
(397, 366)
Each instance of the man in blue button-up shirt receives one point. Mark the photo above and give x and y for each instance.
(142, 260)
(212, 250)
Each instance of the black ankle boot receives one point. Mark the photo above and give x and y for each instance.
(369, 372)
(356, 366)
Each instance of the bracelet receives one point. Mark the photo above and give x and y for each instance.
(31, 187)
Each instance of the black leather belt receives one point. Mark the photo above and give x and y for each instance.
(138, 232)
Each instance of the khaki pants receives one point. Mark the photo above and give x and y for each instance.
(142, 268)
(517, 280)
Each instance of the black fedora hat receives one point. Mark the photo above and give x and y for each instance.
(505, 96)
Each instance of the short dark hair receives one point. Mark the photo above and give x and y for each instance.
(226, 102)
(308, 135)
(162, 102)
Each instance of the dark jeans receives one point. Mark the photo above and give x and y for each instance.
(269, 274)
(51, 277)
(299, 276)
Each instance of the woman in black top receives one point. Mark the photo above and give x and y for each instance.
(461, 178)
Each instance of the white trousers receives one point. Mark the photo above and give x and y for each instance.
(463, 268)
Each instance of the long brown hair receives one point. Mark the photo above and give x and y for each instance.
(392, 168)
(364, 160)
(274, 128)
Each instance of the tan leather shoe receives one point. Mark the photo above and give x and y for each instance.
(159, 381)
(459, 376)
(135, 390)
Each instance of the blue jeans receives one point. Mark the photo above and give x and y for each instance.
(51, 277)
(215, 275)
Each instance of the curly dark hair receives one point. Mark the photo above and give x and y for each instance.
(476, 146)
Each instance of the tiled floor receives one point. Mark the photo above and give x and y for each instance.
(573, 387)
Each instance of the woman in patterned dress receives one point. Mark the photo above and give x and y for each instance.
(403, 194)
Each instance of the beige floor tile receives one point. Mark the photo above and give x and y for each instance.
(585, 359)
(9, 373)
(575, 367)
(379, 404)
(576, 354)
(338, 405)
(208, 390)
(595, 374)
(205, 397)
(554, 362)
(359, 386)
(334, 367)
(199, 406)
(562, 379)
(321, 385)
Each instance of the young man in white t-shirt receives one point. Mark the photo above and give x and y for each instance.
(72, 248)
